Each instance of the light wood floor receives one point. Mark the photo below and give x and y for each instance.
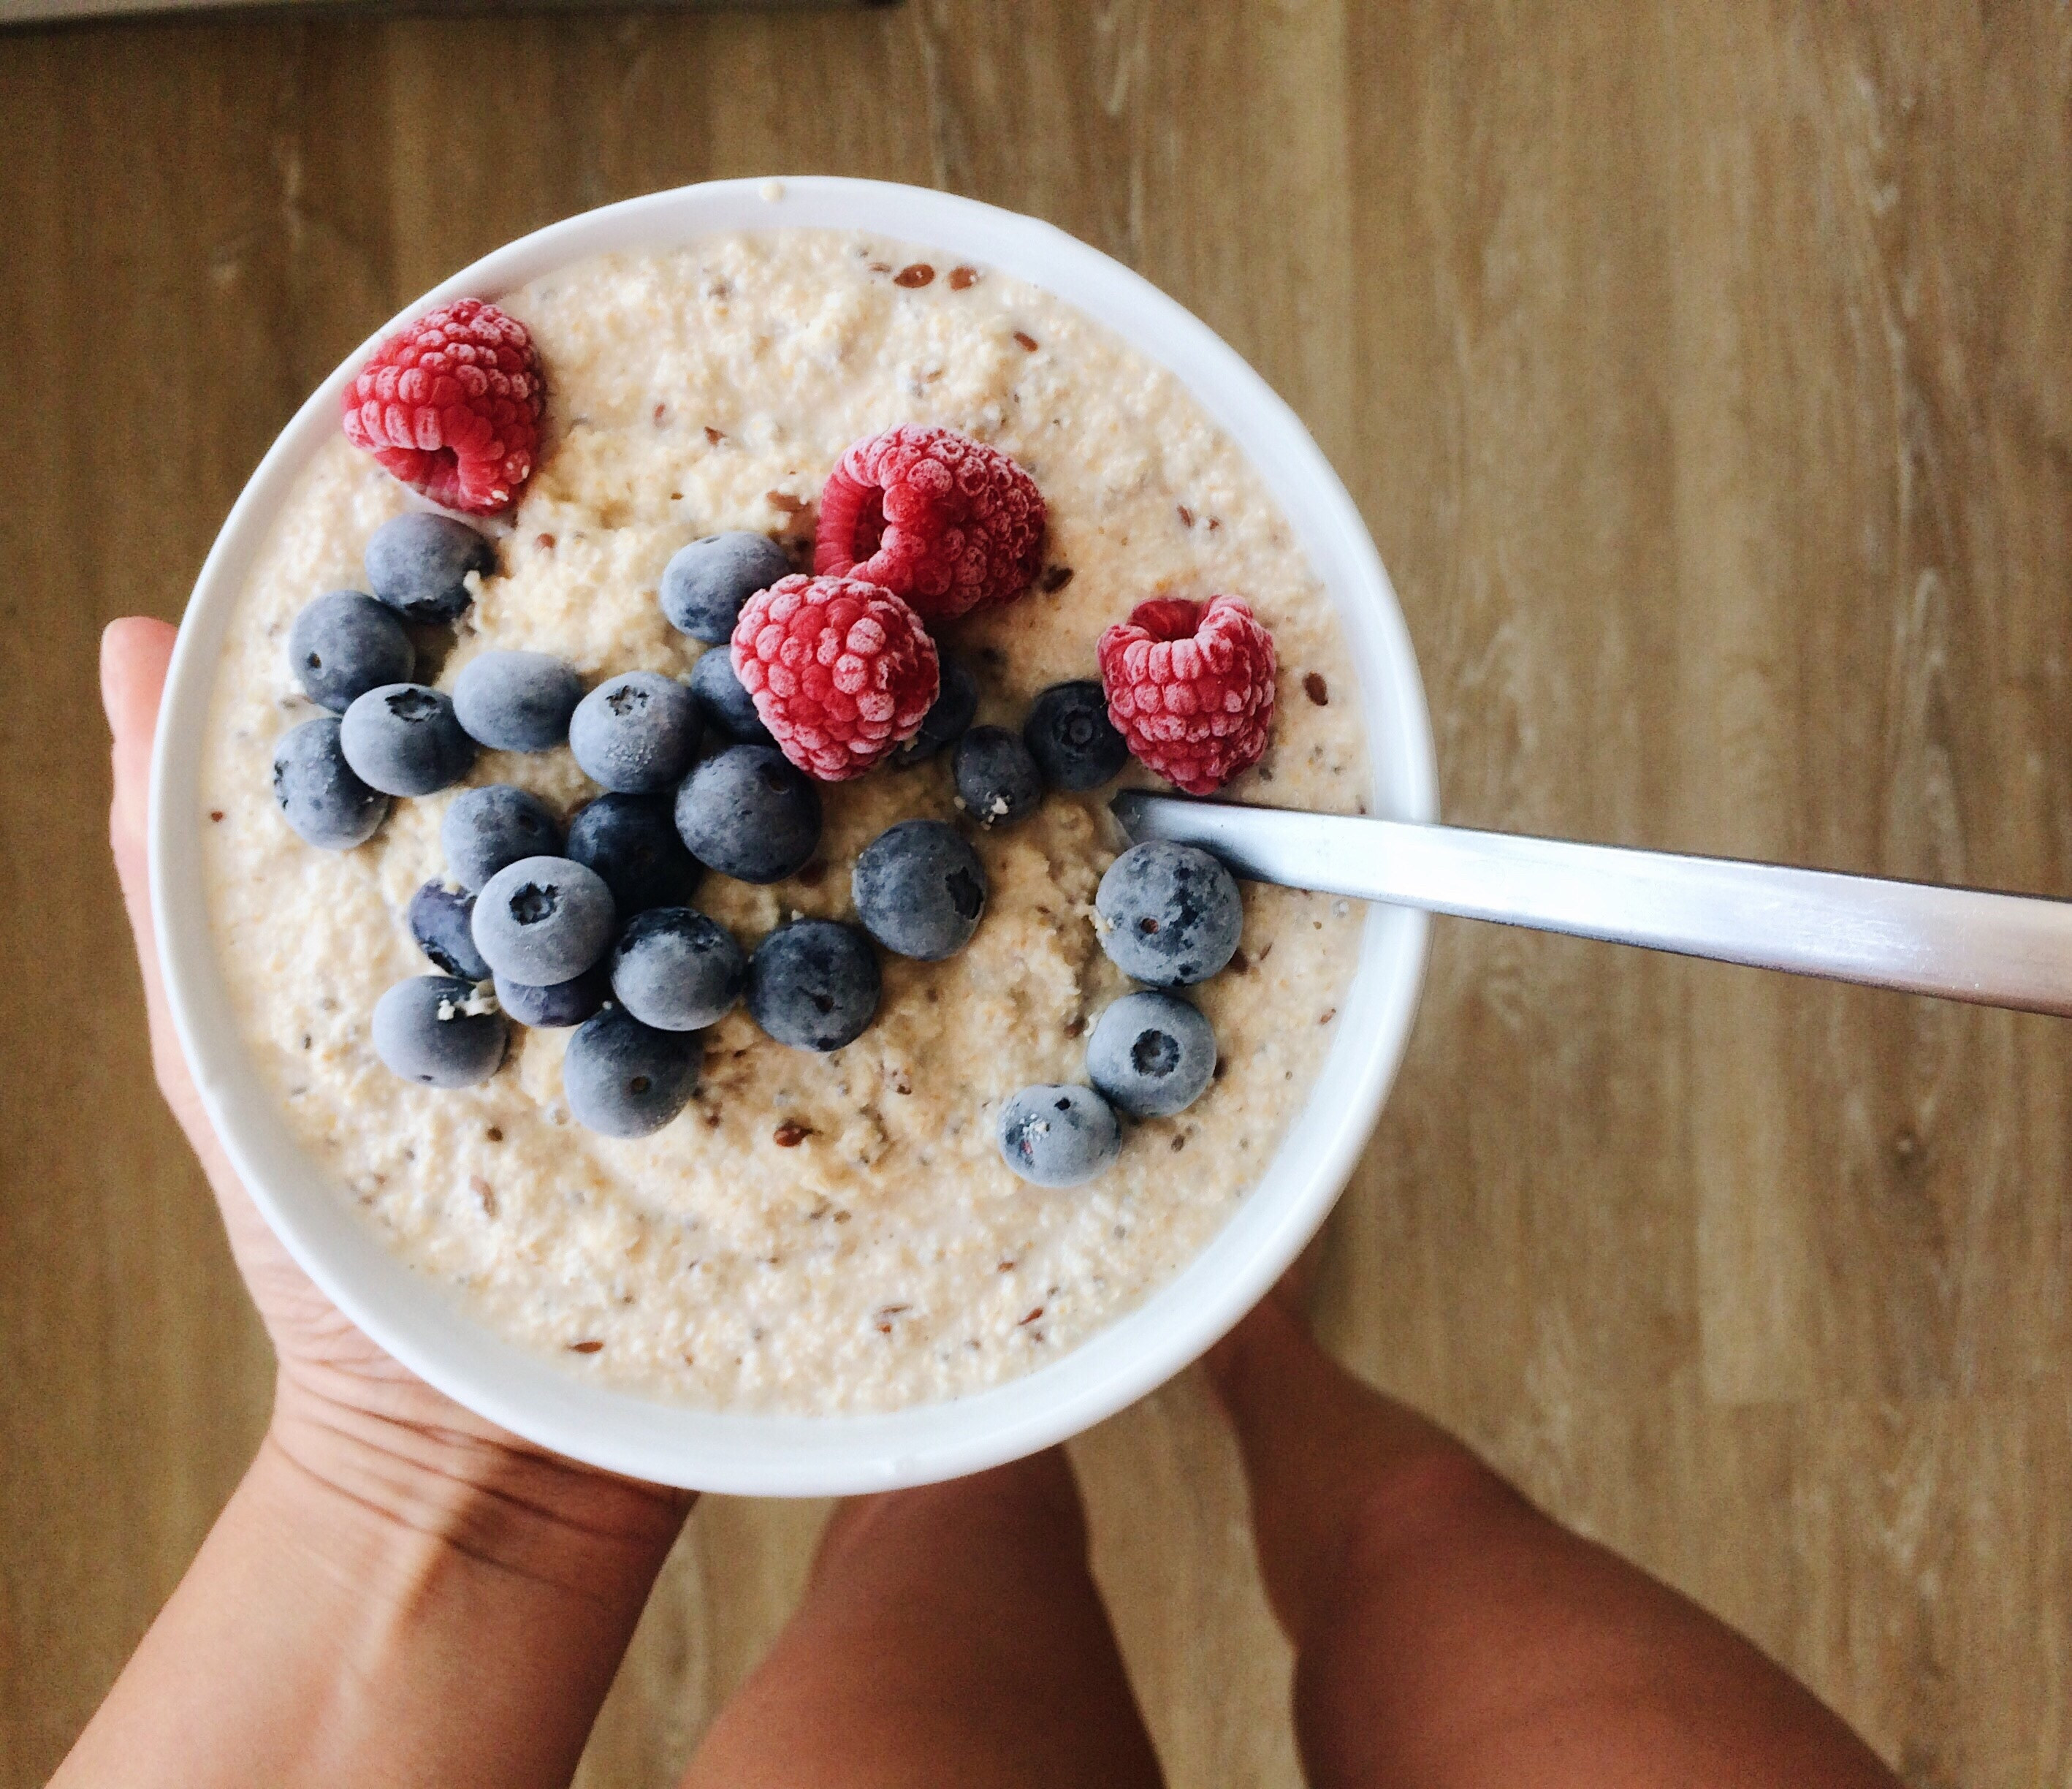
(1703, 372)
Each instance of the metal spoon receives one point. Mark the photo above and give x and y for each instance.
(1962, 943)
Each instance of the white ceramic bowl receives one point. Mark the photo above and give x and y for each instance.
(759, 1455)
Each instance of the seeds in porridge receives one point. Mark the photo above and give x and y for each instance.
(948, 1042)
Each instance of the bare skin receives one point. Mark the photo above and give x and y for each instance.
(402, 1593)
(399, 1592)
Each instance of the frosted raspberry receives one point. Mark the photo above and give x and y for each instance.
(841, 670)
(942, 521)
(1190, 687)
(451, 406)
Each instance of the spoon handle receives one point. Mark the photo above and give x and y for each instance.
(1962, 943)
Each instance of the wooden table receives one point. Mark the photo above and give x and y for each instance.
(1702, 371)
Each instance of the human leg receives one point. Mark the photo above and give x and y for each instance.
(1448, 1635)
(951, 1634)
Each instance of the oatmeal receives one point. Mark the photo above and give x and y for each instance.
(813, 1233)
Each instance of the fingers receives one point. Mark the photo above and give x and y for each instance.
(134, 652)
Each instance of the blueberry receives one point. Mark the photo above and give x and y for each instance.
(558, 1004)
(677, 970)
(1151, 1055)
(542, 920)
(631, 841)
(1073, 742)
(1059, 1136)
(813, 985)
(996, 780)
(345, 644)
(517, 701)
(637, 733)
(443, 924)
(1169, 914)
(920, 890)
(418, 564)
(750, 813)
(944, 723)
(704, 585)
(322, 800)
(485, 828)
(403, 739)
(726, 704)
(423, 1030)
(624, 1079)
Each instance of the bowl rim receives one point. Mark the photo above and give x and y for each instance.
(748, 1453)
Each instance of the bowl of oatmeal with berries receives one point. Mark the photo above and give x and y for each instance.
(631, 848)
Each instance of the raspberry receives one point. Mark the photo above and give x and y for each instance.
(451, 406)
(942, 521)
(841, 670)
(1190, 686)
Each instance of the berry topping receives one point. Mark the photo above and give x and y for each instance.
(840, 671)
(451, 406)
(345, 644)
(624, 1079)
(558, 1006)
(543, 920)
(486, 829)
(677, 969)
(636, 733)
(944, 724)
(517, 701)
(813, 985)
(704, 585)
(403, 739)
(727, 706)
(1167, 914)
(632, 842)
(920, 890)
(1191, 687)
(321, 797)
(750, 813)
(1151, 1055)
(997, 778)
(1072, 739)
(433, 1029)
(942, 521)
(1059, 1136)
(418, 564)
(442, 922)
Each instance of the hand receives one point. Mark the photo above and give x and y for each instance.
(339, 1395)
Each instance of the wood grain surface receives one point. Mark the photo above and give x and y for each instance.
(1702, 372)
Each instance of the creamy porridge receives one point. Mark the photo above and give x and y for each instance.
(814, 1233)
